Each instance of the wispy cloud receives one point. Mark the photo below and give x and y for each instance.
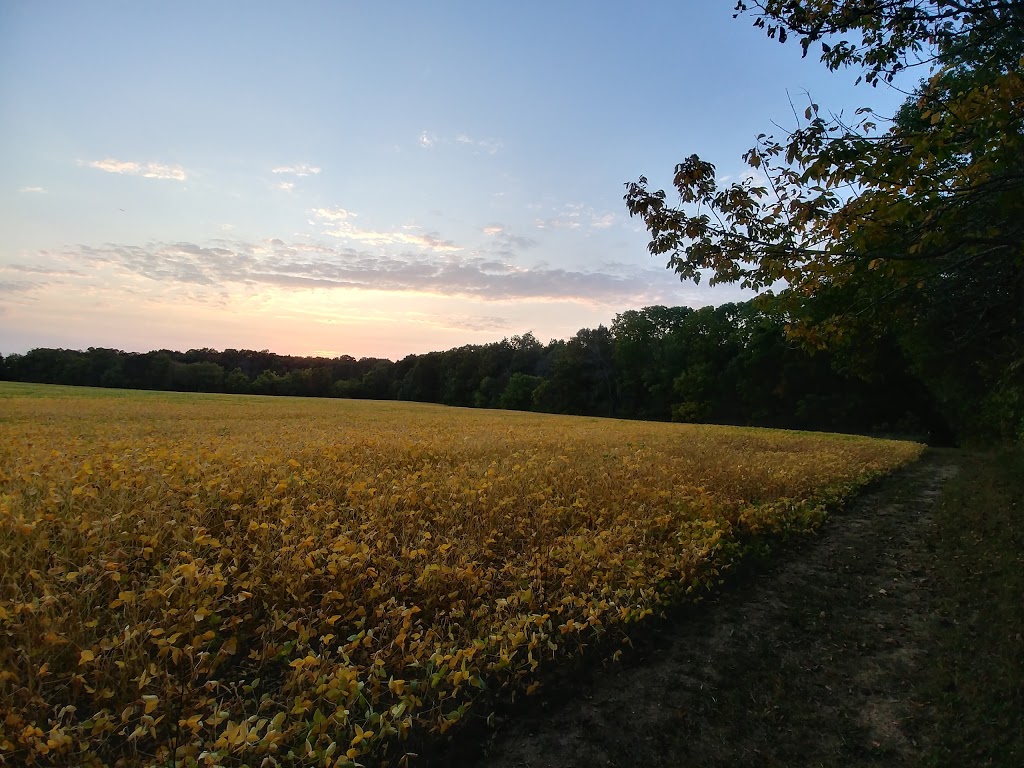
(747, 175)
(569, 217)
(297, 170)
(506, 242)
(490, 146)
(333, 214)
(337, 219)
(577, 216)
(32, 191)
(225, 265)
(287, 186)
(31, 269)
(428, 140)
(346, 231)
(18, 286)
(472, 323)
(558, 223)
(146, 170)
(28, 278)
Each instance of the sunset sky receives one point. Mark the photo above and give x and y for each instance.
(372, 179)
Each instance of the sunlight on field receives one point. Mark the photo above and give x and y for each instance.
(242, 578)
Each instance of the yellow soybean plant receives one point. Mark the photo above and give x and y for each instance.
(221, 580)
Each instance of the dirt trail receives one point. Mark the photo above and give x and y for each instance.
(810, 662)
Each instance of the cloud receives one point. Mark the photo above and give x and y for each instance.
(570, 217)
(506, 241)
(333, 214)
(287, 186)
(110, 165)
(490, 146)
(342, 229)
(427, 140)
(40, 270)
(32, 191)
(471, 323)
(146, 170)
(297, 170)
(18, 286)
(557, 223)
(745, 176)
(347, 231)
(27, 278)
(576, 216)
(224, 265)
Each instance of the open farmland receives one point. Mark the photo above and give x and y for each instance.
(311, 581)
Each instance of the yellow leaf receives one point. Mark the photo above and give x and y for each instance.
(86, 656)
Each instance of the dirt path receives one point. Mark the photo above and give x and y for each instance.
(810, 662)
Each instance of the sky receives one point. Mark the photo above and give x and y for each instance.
(370, 179)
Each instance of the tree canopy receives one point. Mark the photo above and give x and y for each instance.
(854, 223)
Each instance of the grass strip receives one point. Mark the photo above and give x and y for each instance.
(977, 680)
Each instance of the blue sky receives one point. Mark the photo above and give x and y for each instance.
(355, 178)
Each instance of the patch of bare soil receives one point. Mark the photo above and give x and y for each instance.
(810, 661)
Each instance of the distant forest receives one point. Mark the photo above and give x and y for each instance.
(727, 365)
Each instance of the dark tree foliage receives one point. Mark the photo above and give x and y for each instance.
(730, 365)
(868, 225)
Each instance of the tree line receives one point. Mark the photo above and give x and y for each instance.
(731, 364)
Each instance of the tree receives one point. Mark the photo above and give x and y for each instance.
(236, 382)
(423, 380)
(518, 394)
(649, 353)
(918, 223)
(378, 382)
